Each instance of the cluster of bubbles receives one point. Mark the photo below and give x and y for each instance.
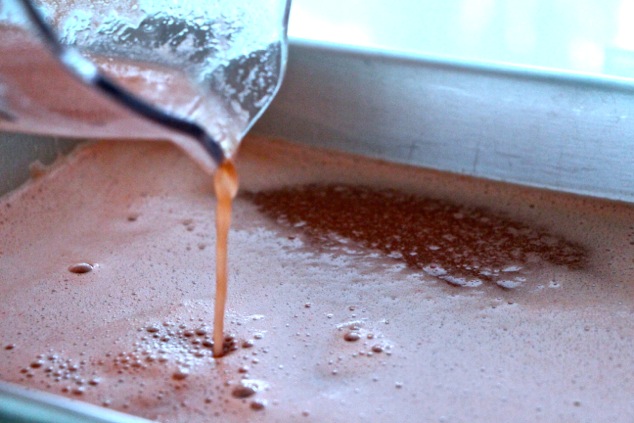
(72, 376)
(460, 245)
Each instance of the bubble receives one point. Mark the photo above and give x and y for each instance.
(461, 281)
(80, 268)
(351, 336)
(247, 388)
(512, 269)
(9, 347)
(377, 348)
(508, 284)
(230, 344)
(180, 374)
(243, 391)
(37, 364)
(258, 404)
(434, 270)
(152, 329)
(249, 343)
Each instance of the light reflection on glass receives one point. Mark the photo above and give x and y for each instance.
(595, 36)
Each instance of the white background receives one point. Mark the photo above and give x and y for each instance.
(594, 36)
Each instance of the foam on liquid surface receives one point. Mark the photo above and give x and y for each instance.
(323, 325)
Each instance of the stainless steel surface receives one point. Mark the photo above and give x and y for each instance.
(564, 131)
(18, 151)
(18, 404)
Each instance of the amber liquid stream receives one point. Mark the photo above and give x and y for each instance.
(226, 188)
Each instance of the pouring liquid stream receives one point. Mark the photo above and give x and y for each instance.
(226, 188)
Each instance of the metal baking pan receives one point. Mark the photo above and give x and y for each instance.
(18, 404)
(561, 131)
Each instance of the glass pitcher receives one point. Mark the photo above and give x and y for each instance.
(197, 73)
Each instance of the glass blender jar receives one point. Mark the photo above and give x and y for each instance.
(197, 73)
